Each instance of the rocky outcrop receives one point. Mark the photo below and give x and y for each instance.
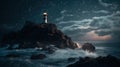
(88, 47)
(38, 35)
(108, 61)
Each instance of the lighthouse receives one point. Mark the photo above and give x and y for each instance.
(45, 17)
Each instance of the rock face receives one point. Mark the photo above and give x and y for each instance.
(88, 47)
(108, 61)
(38, 35)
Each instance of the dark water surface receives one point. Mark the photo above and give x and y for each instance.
(57, 59)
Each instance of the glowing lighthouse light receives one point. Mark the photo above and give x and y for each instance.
(45, 17)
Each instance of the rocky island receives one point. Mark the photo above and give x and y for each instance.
(38, 35)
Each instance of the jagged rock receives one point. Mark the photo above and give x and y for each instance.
(88, 47)
(38, 35)
(39, 56)
(108, 61)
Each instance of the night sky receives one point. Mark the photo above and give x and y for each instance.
(82, 20)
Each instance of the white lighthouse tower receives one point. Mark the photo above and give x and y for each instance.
(45, 17)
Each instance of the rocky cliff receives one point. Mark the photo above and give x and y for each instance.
(38, 35)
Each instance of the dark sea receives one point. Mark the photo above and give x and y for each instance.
(108, 49)
(57, 59)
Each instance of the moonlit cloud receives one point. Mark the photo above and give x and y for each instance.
(62, 15)
(102, 11)
(97, 12)
(85, 12)
(93, 36)
(60, 18)
(104, 4)
(111, 6)
(63, 11)
(95, 28)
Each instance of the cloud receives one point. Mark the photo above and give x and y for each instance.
(102, 32)
(64, 14)
(60, 18)
(102, 11)
(63, 11)
(103, 24)
(104, 4)
(97, 11)
(93, 36)
(112, 6)
(101, 27)
(85, 12)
